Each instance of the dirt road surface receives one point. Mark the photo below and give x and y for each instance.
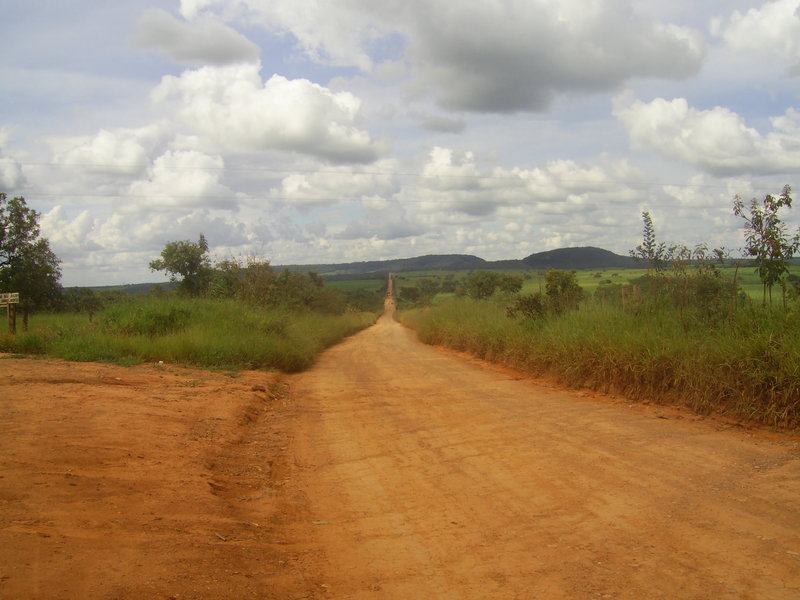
(390, 470)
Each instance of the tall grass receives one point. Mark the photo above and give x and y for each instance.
(747, 366)
(223, 334)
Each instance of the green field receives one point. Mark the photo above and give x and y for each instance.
(589, 279)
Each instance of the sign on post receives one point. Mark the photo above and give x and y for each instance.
(7, 298)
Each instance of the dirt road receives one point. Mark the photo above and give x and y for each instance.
(426, 475)
(389, 470)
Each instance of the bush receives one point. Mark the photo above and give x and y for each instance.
(562, 293)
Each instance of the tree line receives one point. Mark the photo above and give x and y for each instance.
(254, 281)
(30, 267)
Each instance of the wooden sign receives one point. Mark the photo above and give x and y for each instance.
(9, 298)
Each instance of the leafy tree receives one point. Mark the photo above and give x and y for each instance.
(428, 288)
(225, 278)
(189, 261)
(766, 239)
(255, 282)
(296, 290)
(27, 265)
(409, 294)
(510, 284)
(563, 290)
(82, 300)
(483, 284)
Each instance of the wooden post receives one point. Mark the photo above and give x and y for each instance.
(12, 318)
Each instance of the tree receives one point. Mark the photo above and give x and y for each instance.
(27, 265)
(187, 260)
(562, 293)
(766, 239)
(650, 251)
(428, 288)
(483, 284)
(563, 290)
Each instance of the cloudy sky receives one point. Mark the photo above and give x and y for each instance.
(306, 131)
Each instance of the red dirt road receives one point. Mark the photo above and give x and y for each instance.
(430, 476)
(389, 470)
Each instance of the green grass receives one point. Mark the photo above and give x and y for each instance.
(748, 367)
(219, 334)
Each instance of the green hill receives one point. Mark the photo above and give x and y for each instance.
(579, 258)
(564, 258)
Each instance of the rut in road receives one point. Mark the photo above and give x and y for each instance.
(419, 473)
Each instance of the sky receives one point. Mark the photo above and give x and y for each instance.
(306, 131)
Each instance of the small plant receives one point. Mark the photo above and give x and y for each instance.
(650, 251)
(767, 241)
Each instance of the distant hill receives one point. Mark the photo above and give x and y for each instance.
(579, 258)
(563, 258)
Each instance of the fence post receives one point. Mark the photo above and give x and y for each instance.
(12, 318)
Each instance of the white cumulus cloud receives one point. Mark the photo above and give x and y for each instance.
(117, 151)
(337, 184)
(717, 140)
(231, 109)
(453, 185)
(179, 180)
(771, 29)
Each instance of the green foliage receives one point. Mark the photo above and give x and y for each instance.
(420, 294)
(650, 251)
(27, 265)
(361, 295)
(528, 306)
(86, 300)
(562, 292)
(224, 334)
(408, 294)
(766, 238)
(256, 282)
(481, 285)
(187, 262)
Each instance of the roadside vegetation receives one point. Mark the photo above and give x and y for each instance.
(235, 314)
(205, 332)
(681, 332)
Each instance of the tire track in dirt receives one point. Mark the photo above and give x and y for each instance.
(419, 473)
